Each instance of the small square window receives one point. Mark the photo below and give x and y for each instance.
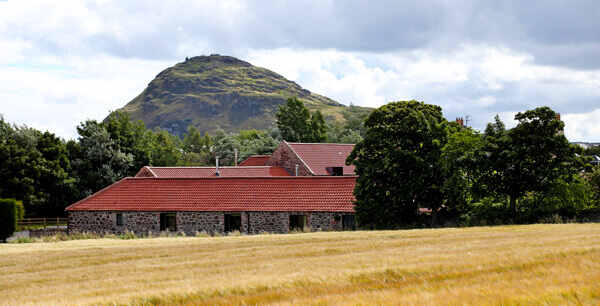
(297, 222)
(233, 223)
(168, 222)
(119, 219)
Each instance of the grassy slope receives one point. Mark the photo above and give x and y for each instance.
(510, 264)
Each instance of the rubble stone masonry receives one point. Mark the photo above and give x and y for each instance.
(192, 222)
(285, 157)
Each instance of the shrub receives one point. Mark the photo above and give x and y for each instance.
(564, 199)
(20, 210)
(8, 218)
(487, 212)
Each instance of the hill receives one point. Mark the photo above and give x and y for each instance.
(215, 90)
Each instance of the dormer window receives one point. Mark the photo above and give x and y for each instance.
(335, 171)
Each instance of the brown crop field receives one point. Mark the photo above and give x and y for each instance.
(551, 264)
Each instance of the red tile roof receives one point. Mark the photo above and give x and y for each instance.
(256, 160)
(306, 194)
(191, 172)
(318, 156)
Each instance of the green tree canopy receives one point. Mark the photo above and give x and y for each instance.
(34, 169)
(458, 162)
(96, 159)
(528, 158)
(398, 164)
(296, 124)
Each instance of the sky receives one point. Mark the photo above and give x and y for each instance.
(63, 62)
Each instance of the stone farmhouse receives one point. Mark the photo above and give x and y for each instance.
(300, 185)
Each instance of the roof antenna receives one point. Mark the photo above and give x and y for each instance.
(217, 173)
(467, 120)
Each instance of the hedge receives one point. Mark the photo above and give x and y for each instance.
(8, 218)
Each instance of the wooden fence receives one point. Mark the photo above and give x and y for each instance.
(31, 223)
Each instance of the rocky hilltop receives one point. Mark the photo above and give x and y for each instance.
(215, 90)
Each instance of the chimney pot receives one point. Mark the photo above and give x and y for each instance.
(217, 162)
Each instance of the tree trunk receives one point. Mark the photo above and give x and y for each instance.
(513, 203)
(434, 212)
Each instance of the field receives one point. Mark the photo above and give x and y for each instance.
(553, 264)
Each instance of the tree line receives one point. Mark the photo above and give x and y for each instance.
(412, 161)
(47, 173)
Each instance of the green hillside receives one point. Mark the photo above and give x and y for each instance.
(215, 90)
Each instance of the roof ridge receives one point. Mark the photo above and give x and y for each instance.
(314, 177)
(322, 143)
(207, 167)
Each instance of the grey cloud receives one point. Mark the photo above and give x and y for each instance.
(562, 33)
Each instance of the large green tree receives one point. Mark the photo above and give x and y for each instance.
(34, 169)
(398, 164)
(458, 162)
(130, 138)
(96, 158)
(530, 157)
(196, 148)
(296, 124)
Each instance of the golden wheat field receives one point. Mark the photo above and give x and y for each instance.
(554, 264)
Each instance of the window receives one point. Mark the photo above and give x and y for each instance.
(119, 219)
(233, 223)
(168, 222)
(348, 223)
(297, 221)
(335, 171)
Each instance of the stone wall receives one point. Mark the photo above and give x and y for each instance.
(285, 157)
(106, 221)
(279, 222)
(207, 221)
(192, 222)
(41, 232)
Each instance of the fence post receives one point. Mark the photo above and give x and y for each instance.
(44, 223)
(57, 222)
(28, 223)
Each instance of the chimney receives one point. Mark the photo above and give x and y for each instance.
(235, 157)
(217, 173)
(460, 121)
(296, 170)
(561, 131)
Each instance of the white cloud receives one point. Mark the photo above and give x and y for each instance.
(60, 98)
(64, 61)
(582, 127)
(479, 81)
